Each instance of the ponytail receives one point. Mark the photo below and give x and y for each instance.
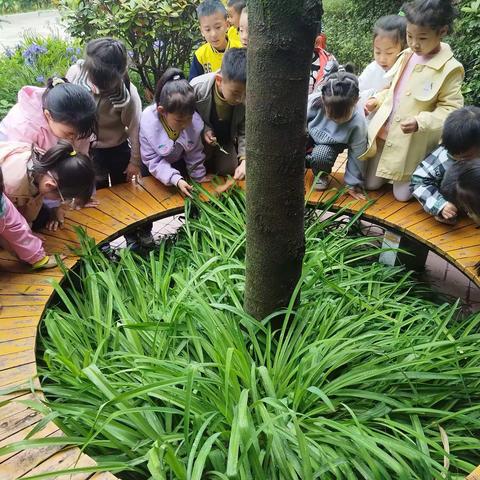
(71, 105)
(174, 93)
(72, 170)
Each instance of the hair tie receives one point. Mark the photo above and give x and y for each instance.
(73, 153)
(57, 81)
(176, 77)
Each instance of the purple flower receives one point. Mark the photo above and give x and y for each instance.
(158, 44)
(31, 54)
(73, 58)
(70, 50)
(9, 53)
(40, 79)
(78, 51)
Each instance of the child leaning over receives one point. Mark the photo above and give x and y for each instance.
(220, 100)
(212, 17)
(171, 133)
(16, 234)
(426, 87)
(335, 123)
(460, 143)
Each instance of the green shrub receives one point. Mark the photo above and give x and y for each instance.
(15, 6)
(31, 63)
(153, 366)
(158, 34)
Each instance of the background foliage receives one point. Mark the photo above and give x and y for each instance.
(14, 6)
(348, 25)
(159, 34)
(32, 62)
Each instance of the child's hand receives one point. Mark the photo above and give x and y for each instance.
(132, 171)
(356, 192)
(184, 187)
(371, 105)
(209, 137)
(92, 203)
(57, 220)
(409, 126)
(206, 178)
(449, 211)
(240, 171)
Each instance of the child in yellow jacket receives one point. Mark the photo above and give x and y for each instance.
(426, 87)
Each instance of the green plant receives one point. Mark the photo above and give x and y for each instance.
(159, 34)
(466, 44)
(15, 6)
(153, 367)
(32, 62)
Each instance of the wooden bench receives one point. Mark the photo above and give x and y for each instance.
(24, 296)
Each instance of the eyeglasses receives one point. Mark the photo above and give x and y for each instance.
(69, 203)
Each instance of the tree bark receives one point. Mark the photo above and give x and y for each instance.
(280, 46)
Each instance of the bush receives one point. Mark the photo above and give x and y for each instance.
(153, 365)
(159, 34)
(14, 6)
(31, 63)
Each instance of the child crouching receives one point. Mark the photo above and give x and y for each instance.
(434, 181)
(334, 123)
(170, 133)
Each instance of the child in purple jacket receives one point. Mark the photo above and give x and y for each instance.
(170, 134)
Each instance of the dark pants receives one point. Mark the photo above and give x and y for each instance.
(111, 162)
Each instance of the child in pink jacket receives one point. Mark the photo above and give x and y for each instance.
(43, 116)
(16, 235)
(170, 134)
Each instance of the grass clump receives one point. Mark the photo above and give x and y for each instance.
(153, 367)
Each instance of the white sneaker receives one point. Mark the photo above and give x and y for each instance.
(322, 182)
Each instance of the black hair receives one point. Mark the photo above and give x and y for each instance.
(71, 105)
(2, 185)
(237, 5)
(73, 171)
(434, 14)
(174, 93)
(234, 65)
(339, 88)
(468, 181)
(461, 130)
(106, 62)
(395, 26)
(211, 7)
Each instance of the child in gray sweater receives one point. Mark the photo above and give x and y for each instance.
(334, 124)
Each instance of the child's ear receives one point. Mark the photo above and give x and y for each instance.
(49, 184)
(160, 110)
(218, 79)
(48, 115)
(443, 31)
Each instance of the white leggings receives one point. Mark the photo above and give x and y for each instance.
(401, 190)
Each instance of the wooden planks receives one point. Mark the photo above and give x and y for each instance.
(24, 294)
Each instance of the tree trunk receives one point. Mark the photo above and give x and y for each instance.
(280, 46)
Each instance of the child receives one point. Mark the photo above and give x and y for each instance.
(335, 123)
(212, 16)
(116, 153)
(61, 174)
(430, 182)
(389, 39)
(42, 116)
(170, 133)
(234, 10)
(16, 235)
(426, 87)
(243, 27)
(221, 104)
(321, 59)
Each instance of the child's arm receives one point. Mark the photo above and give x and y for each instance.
(449, 98)
(355, 170)
(194, 161)
(426, 181)
(242, 145)
(131, 119)
(196, 68)
(157, 165)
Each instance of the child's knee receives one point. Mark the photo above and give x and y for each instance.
(402, 192)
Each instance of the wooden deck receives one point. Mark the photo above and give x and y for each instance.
(24, 296)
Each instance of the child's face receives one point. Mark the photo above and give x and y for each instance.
(470, 154)
(233, 17)
(176, 121)
(61, 130)
(385, 51)
(214, 30)
(48, 187)
(243, 29)
(232, 91)
(424, 40)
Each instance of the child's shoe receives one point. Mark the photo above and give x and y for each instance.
(322, 182)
